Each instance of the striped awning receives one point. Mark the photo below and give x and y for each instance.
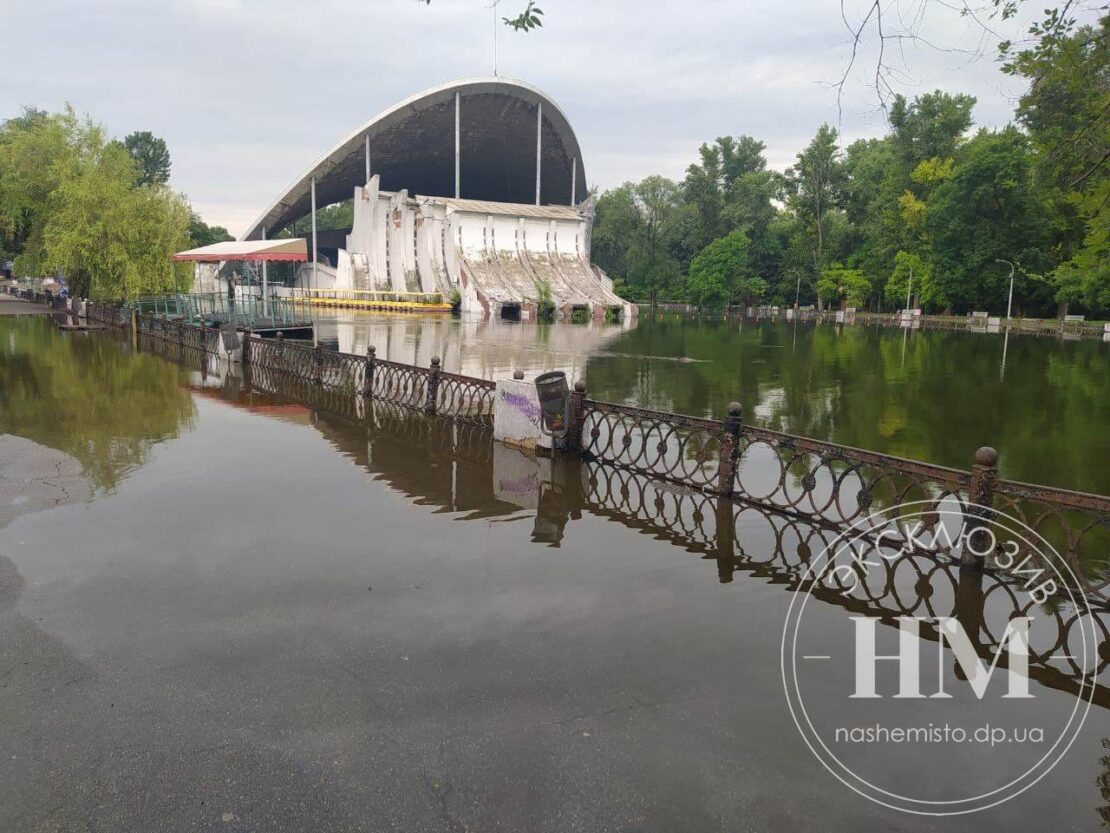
(289, 248)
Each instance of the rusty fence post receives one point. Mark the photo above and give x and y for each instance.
(281, 350)
(247, 336)
(368, 372)
(318, 364)
(980, 494)
(572, 443)
(730, 450)
(433, 386)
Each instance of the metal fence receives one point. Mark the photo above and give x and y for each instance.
(839, 485)
(826, 483)
(431, 389)
(200, 308)
(721, 531)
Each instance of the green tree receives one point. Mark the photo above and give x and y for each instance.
(911, 273)
(111, 239)
(636, 235)
(202, 234)
(617, 223)
(152, 158)
(721, 274)
(931, 126)
(986, 211)
(1066, 111)
(838, 284)
(69, 203)
(35, 149)
(814, 185)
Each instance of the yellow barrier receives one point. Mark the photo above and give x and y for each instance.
(357, 299)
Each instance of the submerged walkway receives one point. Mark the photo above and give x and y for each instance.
(10, 305)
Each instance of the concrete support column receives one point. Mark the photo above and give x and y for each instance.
(458, 150)
(539, 147)
(315, 281)
(573, 180)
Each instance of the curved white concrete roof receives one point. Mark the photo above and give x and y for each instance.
(412, 147)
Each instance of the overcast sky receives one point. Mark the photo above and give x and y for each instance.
(247, 93)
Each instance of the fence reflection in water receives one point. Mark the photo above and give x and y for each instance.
(456, 467)
(822, 481)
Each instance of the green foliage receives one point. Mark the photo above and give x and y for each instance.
(69, 203)
(927, 194)
(637, 235)
(33, 149)
(840, 284)
(340, 215)
(527, 20)
(152, 158)
(815, 190)
(911, 273)
(545, 301)
(1066, 112)
(202, 234)
(721, 273)
(930, 127)
(986, 211)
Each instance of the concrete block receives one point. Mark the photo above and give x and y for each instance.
(516, 415)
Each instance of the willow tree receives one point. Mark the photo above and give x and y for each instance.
(111, 238)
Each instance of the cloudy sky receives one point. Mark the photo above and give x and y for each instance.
(247, 93)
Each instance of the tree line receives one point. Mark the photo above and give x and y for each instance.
(96, 210)
(933, 212)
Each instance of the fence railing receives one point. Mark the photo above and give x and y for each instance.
(247, 310)
(918, 584)
(825, 483)
(839, 485)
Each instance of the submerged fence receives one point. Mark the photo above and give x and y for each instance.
(825, 483)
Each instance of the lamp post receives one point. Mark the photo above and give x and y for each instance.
(909, 286)
(1010, 302)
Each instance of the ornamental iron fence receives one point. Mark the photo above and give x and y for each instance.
(828, 484)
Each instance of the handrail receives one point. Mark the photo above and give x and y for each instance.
(822, 481)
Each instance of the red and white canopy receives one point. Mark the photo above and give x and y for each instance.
(289, 248)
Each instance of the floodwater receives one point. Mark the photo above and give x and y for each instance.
(225, 610)
(1041, 401)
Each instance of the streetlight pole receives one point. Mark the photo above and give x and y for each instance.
(909, 286)
(1010, 302)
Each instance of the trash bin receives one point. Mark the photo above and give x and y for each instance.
(554, 397)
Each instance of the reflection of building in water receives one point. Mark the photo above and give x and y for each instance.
(487, 349)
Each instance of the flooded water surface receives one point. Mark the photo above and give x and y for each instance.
(223, 609)
(1042, 402)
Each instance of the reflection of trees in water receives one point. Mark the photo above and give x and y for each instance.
(455, 467)
(89, 397)
(937, 397)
